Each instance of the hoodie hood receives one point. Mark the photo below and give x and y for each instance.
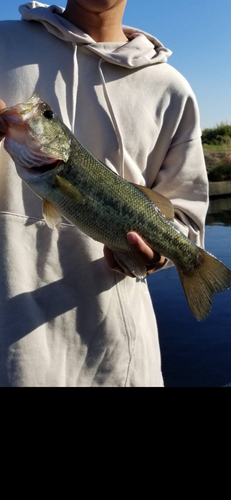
(142, 49)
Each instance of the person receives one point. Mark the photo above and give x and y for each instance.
(67, 317)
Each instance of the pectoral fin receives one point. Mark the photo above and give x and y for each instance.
(133, 261)
(51, 215)
(164, 205)
(68, 189)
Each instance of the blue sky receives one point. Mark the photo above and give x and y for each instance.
(199, 34)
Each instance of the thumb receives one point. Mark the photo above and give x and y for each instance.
(3, 127)
(2, 104)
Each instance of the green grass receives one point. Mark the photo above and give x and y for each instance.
(215, 148)
(218, 136)
(220, 173)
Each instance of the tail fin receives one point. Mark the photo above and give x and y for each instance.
(200, 285)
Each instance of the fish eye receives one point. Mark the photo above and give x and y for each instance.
(48, 114)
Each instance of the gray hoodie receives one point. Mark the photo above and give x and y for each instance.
(65, 318)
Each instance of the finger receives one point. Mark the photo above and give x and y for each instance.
(138, 245)
(3, 126)
(152, 259)
(154, 266)
(2, 104)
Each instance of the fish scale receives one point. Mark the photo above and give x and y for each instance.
(108, 199)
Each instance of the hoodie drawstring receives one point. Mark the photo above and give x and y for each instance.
(113, 117)
(75, 85)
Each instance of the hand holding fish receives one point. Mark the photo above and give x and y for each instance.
(3, 126)
(152, 259)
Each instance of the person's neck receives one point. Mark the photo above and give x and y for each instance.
(101, 26)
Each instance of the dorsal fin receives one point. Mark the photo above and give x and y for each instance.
(164, 205)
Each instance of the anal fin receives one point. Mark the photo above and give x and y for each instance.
(133, 261)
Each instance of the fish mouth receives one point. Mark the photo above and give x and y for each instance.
(31, 149)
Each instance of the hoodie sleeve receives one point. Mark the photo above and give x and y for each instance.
(182, 177)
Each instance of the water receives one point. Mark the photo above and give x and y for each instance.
(196, 354)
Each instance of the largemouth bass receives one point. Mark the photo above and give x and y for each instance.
(73, 183)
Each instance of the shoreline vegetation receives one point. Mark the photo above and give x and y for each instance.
(217, 151)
